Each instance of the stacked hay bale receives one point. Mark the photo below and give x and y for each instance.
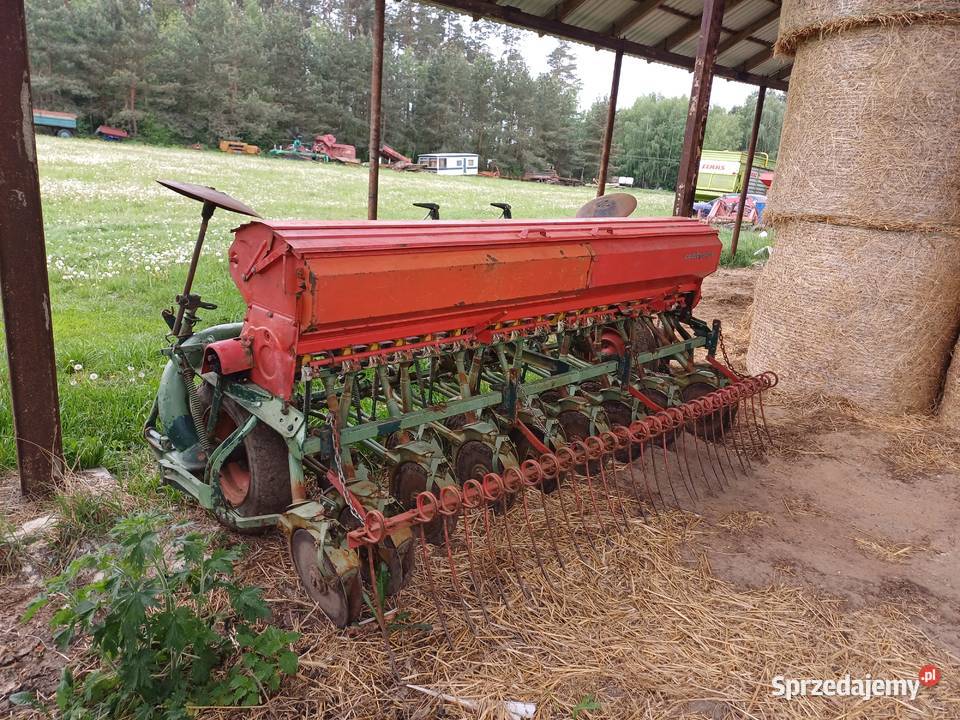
(861, 297)
(950, 408)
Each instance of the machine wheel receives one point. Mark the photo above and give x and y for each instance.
(410, 479)
(474, 460)
(660, 399)
(576, 426)
(619, 413)
(340, 598)
(64, 133)
(713, 426)
(255, 478)
(526, 451)
(400, 561)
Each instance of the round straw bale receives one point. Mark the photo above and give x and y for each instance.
(801, 20)
(871, 134)
(864, 314)
(950, 405)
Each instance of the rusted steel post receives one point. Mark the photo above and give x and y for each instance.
(699, 107)
(376, 87)
(751, 151)
(24, 287)
(608, 129)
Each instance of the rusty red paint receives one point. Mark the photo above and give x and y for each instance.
(385, 282)
(703, 71)
(23, 270)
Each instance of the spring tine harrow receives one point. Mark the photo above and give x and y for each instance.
(498, 581)
(533, 477)
(677, 421)
(697, 413)
(598, 450)
(451, 502)
(712, 415)
(583, 470)
(551, 467)
(515, 480)
(428, 566)
(624, 442)
(472, 498)
(496, 490)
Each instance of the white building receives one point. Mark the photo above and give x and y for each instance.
(450, 163)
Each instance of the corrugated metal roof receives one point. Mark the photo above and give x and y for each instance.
(664, 31)
(596, 15)
(654, 28)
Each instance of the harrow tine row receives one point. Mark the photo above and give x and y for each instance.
(582, 479)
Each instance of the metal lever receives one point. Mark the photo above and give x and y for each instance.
(433, 210)
(505, 209)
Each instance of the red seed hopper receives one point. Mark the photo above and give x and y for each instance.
(454, 395)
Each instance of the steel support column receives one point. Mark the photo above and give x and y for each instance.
(699, 106)
(376, 91)
(24, 288)
(608, 128)
(751, 151)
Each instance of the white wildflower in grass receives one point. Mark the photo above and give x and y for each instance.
(141, 374)
(78, 367)
(94, 376)
(130, 368)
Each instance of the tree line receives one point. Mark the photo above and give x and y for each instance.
(188, 71)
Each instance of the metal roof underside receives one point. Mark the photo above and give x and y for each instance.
(664, 31)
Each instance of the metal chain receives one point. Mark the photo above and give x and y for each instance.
(726, 358)
(338, 465)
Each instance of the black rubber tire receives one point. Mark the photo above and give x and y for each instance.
(407, 481)
(576, 427)
(266, 456)
(526, 451)
(660, 399)
(619, 413)
(474, 459)
(716, 425)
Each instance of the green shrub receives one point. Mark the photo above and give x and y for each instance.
(83, 515)
(167, 624)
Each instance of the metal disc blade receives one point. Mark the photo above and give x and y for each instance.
(615, 205)
(210, 195)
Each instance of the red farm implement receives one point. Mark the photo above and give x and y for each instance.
(452, 394)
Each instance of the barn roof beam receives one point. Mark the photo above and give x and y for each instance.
(757, 59)
(691, 28)
(745, 32)
(549, 26)
(634, 16)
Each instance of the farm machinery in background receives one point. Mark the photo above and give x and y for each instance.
(238, 147)
(324, 148)
(549, 177)
(451, 394)
(61, 124)
(397, 160)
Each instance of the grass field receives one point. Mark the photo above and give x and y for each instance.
(118, 245)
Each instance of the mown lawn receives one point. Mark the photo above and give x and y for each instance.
(118, 245)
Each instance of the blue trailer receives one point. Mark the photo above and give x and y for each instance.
(60, 124)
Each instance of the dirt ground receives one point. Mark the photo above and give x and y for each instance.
(840, 511)
(837, 553)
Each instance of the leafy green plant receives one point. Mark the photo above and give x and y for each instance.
(585, 704)
(82, 515)
(168, 625)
